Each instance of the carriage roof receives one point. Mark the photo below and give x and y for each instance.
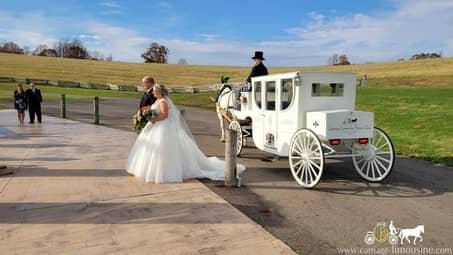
(302, 74)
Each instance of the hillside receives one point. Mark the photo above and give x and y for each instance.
(420, 73)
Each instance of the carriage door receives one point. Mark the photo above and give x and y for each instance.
(270, 120)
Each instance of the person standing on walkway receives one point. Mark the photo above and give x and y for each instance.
(20, 103)
(148, 98)
(34, 100)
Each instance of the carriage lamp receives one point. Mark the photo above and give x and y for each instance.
(363, 140)
(298, 78)
(335, 141)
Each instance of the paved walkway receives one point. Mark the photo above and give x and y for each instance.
(70, 195)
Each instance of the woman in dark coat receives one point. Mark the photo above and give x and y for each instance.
(20, 103)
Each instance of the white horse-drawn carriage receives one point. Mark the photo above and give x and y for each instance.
(308, 117)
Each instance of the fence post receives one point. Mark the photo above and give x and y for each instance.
(63, 106)
(231, 179)
(96, 110)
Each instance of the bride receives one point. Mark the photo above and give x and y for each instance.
(165, 150)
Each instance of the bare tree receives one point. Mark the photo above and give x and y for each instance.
(156, 54)
(60, 47)
(71, 49)
(11, 47)
(426, 55)
(40, 48)
(182, 61)
(343, 60)
(333, 60)
(48, 53)
(96, 55)
(27, 50)
(43, 50)
(77, 51)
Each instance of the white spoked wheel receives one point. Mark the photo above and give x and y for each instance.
(234, 125)
(374, 160)
(306, 158)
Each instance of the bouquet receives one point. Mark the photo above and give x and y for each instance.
(141, 119)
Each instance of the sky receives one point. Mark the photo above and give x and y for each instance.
(291, 33)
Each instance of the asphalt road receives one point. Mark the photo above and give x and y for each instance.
(338, 213)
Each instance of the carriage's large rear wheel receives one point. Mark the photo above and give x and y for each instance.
(234, 125)
(374, 160)
(306, 158)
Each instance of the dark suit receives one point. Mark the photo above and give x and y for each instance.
(34, 100)
(257, 70)
(147, 99)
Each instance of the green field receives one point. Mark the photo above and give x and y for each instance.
(412, 100)
(54, 93)
(420, 73)
(419, 120)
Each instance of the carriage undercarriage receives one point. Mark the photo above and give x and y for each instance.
(372, 160)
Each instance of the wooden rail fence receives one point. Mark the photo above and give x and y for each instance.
(106, 86)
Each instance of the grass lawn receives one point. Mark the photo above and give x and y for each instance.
(419, 120)
(431, 72)
(54, 93)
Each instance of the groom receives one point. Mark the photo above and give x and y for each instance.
(148, 98)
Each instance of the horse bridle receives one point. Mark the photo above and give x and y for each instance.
(221, 91)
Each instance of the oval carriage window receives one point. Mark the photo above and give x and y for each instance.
(286, 93)
(257, 93)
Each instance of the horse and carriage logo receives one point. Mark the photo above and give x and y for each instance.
(392, 234)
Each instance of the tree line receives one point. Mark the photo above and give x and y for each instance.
(336, 59)
(64, 48)
(426, 55)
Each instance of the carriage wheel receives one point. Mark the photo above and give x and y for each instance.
(374, 160)
(306, 158)
(234, 125)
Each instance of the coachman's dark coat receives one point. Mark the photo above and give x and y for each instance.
(257, 70)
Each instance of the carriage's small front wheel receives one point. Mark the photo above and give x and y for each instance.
(306, 158)
(234, 125)
(374, 160)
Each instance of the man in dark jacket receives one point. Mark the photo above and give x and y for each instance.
(258, 66)
(34, 100)
(148, 98)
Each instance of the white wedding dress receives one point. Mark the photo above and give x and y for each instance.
(166, 152)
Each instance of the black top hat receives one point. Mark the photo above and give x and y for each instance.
(258, 55)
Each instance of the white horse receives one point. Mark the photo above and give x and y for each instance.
(415, 232)
(224, 102)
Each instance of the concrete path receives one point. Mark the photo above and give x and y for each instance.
(342, 208)
(70, 195)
